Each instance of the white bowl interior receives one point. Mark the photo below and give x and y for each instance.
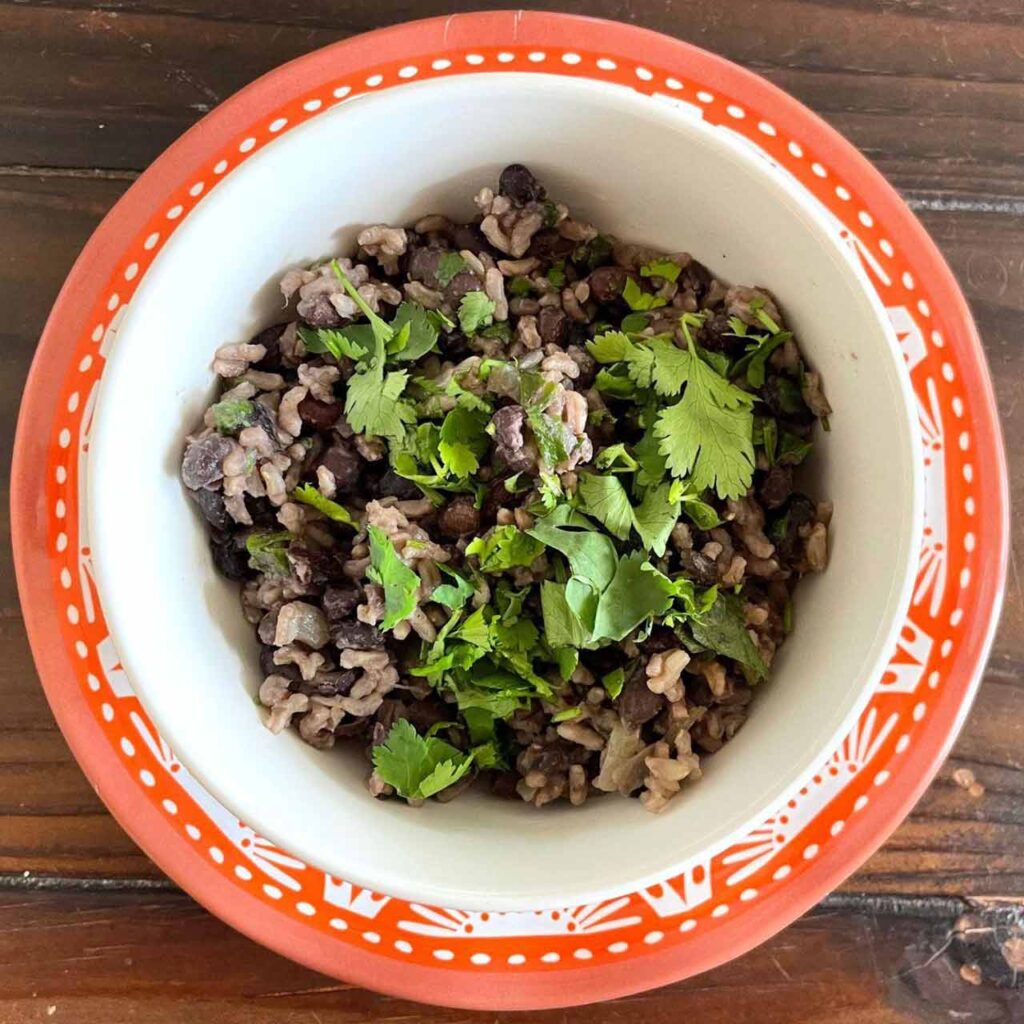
(645, 170)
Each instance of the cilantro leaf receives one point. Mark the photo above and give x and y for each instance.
(723, 629)
(638, 300)
(708, 433)
(606, 500)
(373, 406)
(422, 333)
(655, 516)
(555, 441)
(652, 463)
(591, 553)
(613, 682)
(462, 441)
(400, 583)
(331, 342)
(309, 495)
(567, 658)
(615, 382)
(268, 551)
(382, 332)
(616, 458)
(232, 415)
(452, 595)
(519, 287)
(650, 362)
(636, 592)
(418, 768)
(664, 268)
(562, 627)
(792, 449)
(475, 630)
(475, 312)
(450, 264)
(504, 547)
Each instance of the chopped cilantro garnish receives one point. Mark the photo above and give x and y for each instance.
(451, 263)
(476, 311)
(556, 275)
(309, 495)
(664, 268)
(722, 628)
(519, 287)
(638, 300)
(417, 767)
(567, 714)
(268, 551)
(503, 548)
(400, 583)
(613, 682)
(455, 594)
(232, 415)
(463, 440)
(330, 342)
(708, 434)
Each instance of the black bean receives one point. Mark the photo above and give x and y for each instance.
(270, 339)
(637, 704)
(202, 464)
(340, 600)
(695, 277)
(270, 668)
(424, 262)
(319, 415)
(496, 497)
(322, 314)
(661, 639)
(776, 486)
(552, 325)
(469, 236)
(459, 517)
(520, 184)
(351, 727)
(699, 567)
(263, 417)
(345, 463)
(230, 556)
(503, 784)
(464, 282)
(550, 245)
(606, 283)
(358, 636)
(391, 485)
(509, 444)
(330, 684)
(211, 504)
(262, 512)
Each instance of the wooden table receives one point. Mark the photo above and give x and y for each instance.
(932, 91)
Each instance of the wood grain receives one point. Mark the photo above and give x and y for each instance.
(936, 101)
(93, 958)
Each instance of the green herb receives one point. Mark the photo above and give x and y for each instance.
(400, 583)
(504, 547)
(700, 513)
(372, 404)
(268, 551)
(591, 554)
(556, 275)
(422, 330)
(594, 253)
(309, 495)
(655, 516)
(613, 682)
(567, 714)
(766, 434)
(330, 342)
(653, 465)
(555, 441)
(418, 768)
(638, 300)
(519, 287)
(723, 629)
(450, 264)
(615, 383)
(551, 213)
(475, 312)
(707, 434)
(615, 459)
(664, 268)
(475, 630)
(636, 592)
(463, 441)
(650, 362)
(232, 414)
(567, 658)
(562, 626)
(793, 449)
(452, 595)
(787, 616)
(606, 500)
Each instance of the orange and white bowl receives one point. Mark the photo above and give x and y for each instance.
(151, 669)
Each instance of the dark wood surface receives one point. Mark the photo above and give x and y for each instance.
(932, 91)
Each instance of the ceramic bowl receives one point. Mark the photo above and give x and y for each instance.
(151, 670)
(644, 171)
